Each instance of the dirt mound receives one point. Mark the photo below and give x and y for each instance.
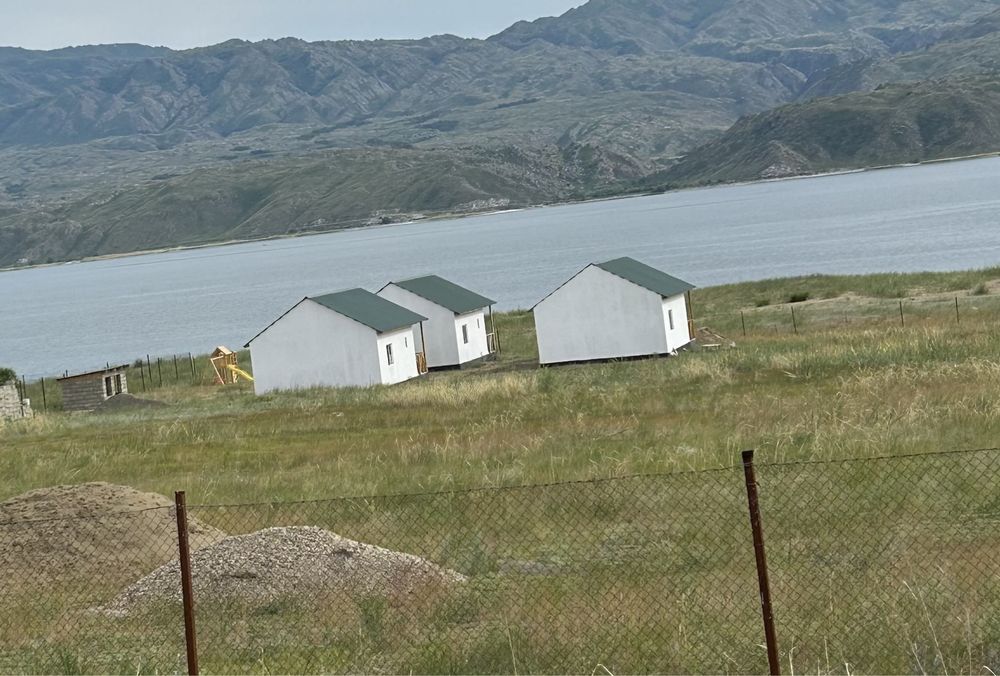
(124, 402)
(90, 529)
(304, 563)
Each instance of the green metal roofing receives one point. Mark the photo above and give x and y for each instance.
(446, 294)
(368, 309)
(646, 277)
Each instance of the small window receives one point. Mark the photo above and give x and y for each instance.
(108, 391)
(406, 341)
(670, 318)
(118, 383)
(465, 333)
(388, 354)
(477, 323)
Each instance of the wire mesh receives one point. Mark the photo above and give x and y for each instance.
(644, 574)
(888, 565)
(60, 576)
(877, 566)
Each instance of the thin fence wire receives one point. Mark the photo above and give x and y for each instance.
(827, 314)
(884, 565)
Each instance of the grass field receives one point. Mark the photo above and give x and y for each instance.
(879, 566)
(837, 389)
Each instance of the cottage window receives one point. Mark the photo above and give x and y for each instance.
(108, 391)
(465, 333)
(406, 341)
(670, 318)
(477, 323)
(118, 383)
(388, 354)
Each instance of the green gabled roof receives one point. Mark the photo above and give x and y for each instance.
(646, 277)
(368, 309)
(447, 294)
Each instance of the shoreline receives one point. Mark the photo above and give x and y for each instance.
(447, 216)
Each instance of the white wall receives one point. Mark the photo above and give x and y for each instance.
(598, 315)
(680, 335)
(404, 355)
(439, 329)
(443, 329)
(312, 346)
(477, 346)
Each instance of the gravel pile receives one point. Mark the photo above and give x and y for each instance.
(92, 530)
(304, 563)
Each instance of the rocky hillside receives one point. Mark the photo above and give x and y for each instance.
(121, 147)
(738, 54)
(324, 191)
(897, 123)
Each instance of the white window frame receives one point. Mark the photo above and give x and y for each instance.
(670, 318)
(465, 334)
(388, 354)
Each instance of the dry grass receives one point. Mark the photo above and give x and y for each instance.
(906, 581)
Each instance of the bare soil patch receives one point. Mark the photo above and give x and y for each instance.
(89, 530)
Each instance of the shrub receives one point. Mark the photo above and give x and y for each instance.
(762, 302)
(980, 289)
(798, 297)
(6, 375)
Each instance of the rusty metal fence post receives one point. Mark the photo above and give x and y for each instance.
(187, 591)
(761, 555)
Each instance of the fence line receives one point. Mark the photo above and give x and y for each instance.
(793, 317)
(883, 564)
(144, 374)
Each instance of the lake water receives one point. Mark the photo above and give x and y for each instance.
(79, 316)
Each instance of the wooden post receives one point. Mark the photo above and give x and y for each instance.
(24, 394)
(177, 373)
(743, 320)
(149, 367)
(142, 374)
(496, 334)
(159, 370)
(795, 327)
(423, 347)
(902, 322)
(763, 581)
(45, 405)
(187, 588)
(958, 319)
(690, 315)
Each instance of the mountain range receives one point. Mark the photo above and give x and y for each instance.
(115, 148)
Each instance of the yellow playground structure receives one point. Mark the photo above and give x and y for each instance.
(226, 365)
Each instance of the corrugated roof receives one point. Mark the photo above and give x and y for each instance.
(646, 277)
(368, 309)
(447, 294)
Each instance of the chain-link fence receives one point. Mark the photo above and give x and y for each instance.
(882, 565)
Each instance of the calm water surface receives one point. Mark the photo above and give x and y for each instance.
(78, 316)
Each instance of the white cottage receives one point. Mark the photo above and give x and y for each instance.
(349, 338)
(613, 310)
(458, 330)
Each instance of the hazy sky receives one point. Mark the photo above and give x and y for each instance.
(49, 24)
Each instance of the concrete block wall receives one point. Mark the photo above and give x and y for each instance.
(10, 403)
